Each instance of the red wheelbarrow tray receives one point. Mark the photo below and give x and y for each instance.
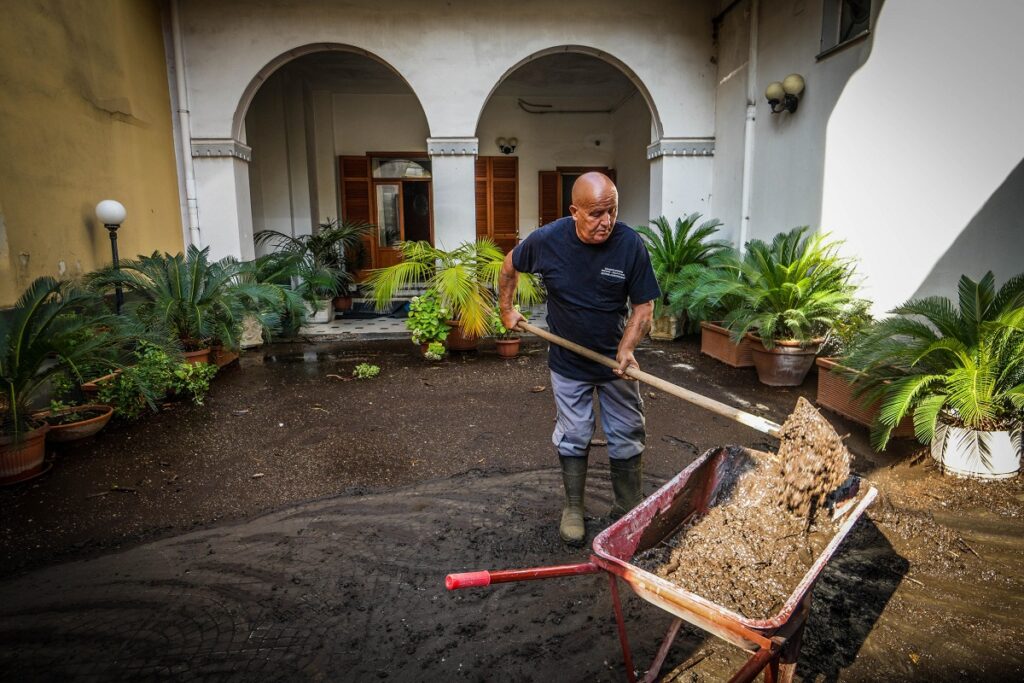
(689, 493)
(692, 492)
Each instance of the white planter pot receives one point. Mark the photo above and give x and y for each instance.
(324, 315)
(980, 455)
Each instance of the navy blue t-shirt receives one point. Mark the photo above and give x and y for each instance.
(588, 285)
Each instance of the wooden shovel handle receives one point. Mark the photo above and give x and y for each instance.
(753, 421)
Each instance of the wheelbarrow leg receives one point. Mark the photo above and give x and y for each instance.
(627, 654)
(786, 664)
(659, 659)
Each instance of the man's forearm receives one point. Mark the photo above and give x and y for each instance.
(637, 327)
(508, 280)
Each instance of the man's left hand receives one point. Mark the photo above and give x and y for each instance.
(625, 360)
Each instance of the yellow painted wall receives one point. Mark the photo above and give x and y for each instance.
(85, 115)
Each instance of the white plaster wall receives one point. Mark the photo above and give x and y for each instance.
(326, 168)
(268, 174)
(919, 174)
(631, 125)
(452, 54)
(378, 123)
(789, 149)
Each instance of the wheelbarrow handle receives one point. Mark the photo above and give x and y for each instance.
(486, 578)
(754, 421)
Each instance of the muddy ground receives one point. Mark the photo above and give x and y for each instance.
(927, 588)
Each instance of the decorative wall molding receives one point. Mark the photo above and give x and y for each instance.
(440, 147)
(224, 147)
(681, 147)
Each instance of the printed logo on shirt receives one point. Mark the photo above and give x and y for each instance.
(613, 273)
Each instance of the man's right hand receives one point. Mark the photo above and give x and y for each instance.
(511, 318)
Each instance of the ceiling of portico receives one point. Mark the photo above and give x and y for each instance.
(563, 75)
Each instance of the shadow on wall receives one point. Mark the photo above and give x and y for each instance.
(993, 240)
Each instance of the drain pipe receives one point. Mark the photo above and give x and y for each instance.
(185, 125)
(748, 129)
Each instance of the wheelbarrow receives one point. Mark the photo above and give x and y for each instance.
(774, 643)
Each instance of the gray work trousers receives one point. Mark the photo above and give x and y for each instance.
(622, 416)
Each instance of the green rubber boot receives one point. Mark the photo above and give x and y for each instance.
(627, 484)
(574, 478)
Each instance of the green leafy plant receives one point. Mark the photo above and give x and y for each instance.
(54, 329)
(465, 280)
(961, 365)
(322, 263)
(498, 328)
(366, 371)
(435, 351)
(427, 319)
(194, 300)
(141, 384)
(853, 321)
(285, 305)
(192, 379)
(792, 289)
(679, 254)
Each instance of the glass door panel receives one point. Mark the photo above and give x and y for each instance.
(389, 214)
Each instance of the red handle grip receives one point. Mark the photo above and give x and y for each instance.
(467, 580)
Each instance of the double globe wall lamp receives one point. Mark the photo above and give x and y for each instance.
(785, 96)
(111, 213)
(507, 145)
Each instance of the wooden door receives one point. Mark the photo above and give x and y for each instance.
(356, 189)
(555, 194)
(497, 200)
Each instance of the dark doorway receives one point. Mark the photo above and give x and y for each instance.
(416, 210)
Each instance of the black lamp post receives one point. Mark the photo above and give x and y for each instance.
(111, 213)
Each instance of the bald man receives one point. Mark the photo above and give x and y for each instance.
(591, 266)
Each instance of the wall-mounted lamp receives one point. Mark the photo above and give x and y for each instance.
(785, 96)
(112, 214)
(507, 145)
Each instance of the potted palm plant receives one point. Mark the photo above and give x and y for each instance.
(679, 255)
(194, 300)
(53, 329)
(320, 262)
(506, 340)
(465, 280)
(957, 370)
(786, 296)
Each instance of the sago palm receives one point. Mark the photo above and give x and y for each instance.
(194, 299)
(679, 254)
(961, 365)
(53, 329)
(791, 289)
(465, 279)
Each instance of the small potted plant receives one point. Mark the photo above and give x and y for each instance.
(427, 320)
(679, 255)
(957, 370)
(507, 341)
(709, 301)
(788, 294)
(70, 420)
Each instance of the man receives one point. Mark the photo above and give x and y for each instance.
(591, 267)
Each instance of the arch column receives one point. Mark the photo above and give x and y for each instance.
(454, 186)
(222, 197)
(681, 176)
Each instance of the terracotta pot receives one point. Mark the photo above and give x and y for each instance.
(508, 348)
(92, 387)
(668, 327)
(836, 394)
(196, 357)
(784, 365)
(715, 342)
(459, 342)
(342, 303)
(72, 431)
(23, 458)
(221, 356)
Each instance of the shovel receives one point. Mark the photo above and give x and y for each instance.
(753, 421)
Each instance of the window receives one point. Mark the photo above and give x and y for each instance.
(843, 21)
(384, 167)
